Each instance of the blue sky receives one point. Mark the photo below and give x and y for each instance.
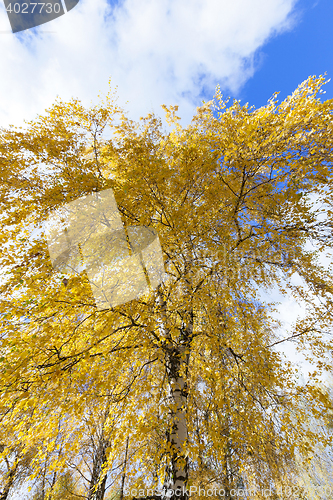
(287, 60)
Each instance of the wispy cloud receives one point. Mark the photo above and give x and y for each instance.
(165, 52)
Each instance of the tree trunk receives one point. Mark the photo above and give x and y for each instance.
(176, 362)
(99, 460)
(176, 474)
(124, 472)
(9, 483)
(50, 493)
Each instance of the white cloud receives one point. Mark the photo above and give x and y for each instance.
(157, 52)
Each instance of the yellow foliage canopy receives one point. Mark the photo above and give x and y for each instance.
(230, 197)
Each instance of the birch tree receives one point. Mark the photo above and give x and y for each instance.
(193, 360)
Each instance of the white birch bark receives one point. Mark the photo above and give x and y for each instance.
(176, 473)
